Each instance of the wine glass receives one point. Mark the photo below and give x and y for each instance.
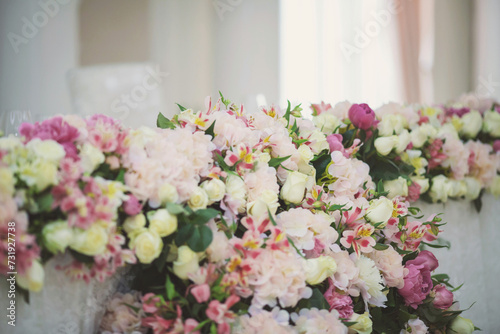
(12, 119)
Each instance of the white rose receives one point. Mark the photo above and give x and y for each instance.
(198, 199)
(91, 157)
(384, 145)
(91, 241)
(391, 124)
(294, 188)
(167, 193)
(39, 174)
(7, 182)
(134, 223)
(421, 134)
(447, 131)
(32, 279)
(267, 200)
(494, 187)
(472, 123)
(440, 188)
(380, 211)
(491, 123)
(47, 149)
(264, 157)
(460, 326)
(10, 143)
(397, 187)
(57, 236)
(457, 188)
(473, 186)
(236, 189)
(403, 141)
(186, 263)
(147, 245)
(162, 222)
(305, 153)
(363, 323)
(326, 122)
(422, 182)
(215, 189)
(319, 269)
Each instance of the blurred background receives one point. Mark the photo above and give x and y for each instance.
(130, 59)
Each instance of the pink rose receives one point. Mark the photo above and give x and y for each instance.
(443, 297)
(418, 282)
(132, 206)
(201, 292)
(341, 303)
(189, 326)
(361, 116)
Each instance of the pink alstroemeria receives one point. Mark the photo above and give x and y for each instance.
(320, 108)
(360, 239)
(353, 218)
(201, 292)
(221, 314)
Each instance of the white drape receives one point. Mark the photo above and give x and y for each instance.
(473, 256)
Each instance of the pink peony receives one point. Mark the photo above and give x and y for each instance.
(417, 281)
(361, 116)
(443, 298)
(56, 129)
(341, 303)
(496, 145)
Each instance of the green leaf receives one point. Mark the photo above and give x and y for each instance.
(380, 247)
(210, 130)
(224, 101)
(183, 233)
(318, 300)
(213, 329)
(181, 107)
(320, 165)
(164, 123)
(200, 217)
(175, 208)
(170, 289)
(45, 202)
(200, 239)
(336, 207)
(271, 217)
(441, 277)
(275, 162)
(121, 176)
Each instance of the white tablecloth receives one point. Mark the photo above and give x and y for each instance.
(473, 258)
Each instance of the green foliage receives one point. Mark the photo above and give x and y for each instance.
(164, 123)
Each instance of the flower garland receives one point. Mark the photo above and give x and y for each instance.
(235, 222)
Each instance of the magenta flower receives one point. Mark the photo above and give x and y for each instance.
(418, 282)
(335, 142)
(496, 145)
(443, 298)
(56, 129)
(361, 116)
(132, 206)
(341, 303)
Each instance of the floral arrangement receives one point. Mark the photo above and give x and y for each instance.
(433, 153)
(236, 222)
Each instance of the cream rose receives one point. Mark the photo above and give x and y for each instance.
(422, 182)
(186, 263)
(198, 199)
(457, 188)
(134, 223)
(491, 123)
(397, 187)
(57, 236)
(7, 182)
(162, 222)
(91, 241)
(147, 245)
(33, 278)
(91, 157)
(319, 269)
(215, 189)
(267, 200)
(460, 326)
(472, 123)
(294, 188)
(380, 211)
(473, 186)
(403, 141)
(384, 145)
(318, 141)
(440, 188)
(391, 124)
(494, 187)
(39, 174)
(421, 134)
(167, 193)
(363, 323)
(305, 153)
(48, 149)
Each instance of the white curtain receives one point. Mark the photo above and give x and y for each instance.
(338, 50)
